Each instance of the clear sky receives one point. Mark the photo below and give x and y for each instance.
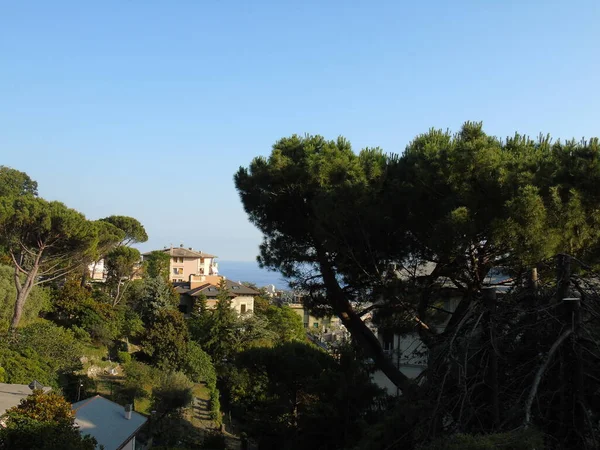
(147, 108)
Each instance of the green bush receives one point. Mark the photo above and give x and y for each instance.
(199, 366)
(21, 367)
(124, 357)
(215, 406)
(56, 345)
(81, 335)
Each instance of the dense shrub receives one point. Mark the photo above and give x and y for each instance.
(124, 357)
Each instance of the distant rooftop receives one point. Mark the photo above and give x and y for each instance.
(12, 394)
(183, 252)
(106, 421)
(212, 290)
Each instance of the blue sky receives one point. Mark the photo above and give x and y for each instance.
(147, 108)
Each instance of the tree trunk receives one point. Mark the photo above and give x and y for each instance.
(357, 328)
(84, 276)
(489, 296)
(23, 291)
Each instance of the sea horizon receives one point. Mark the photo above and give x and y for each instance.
(251, 272)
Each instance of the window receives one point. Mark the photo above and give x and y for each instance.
(242, 309)
(174, 259)
(178, 270)
(316, 325)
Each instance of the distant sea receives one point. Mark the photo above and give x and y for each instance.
(249, 271)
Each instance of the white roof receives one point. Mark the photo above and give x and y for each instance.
(106, 421)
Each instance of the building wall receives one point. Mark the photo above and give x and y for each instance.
(189, 266)
(130, 445)
(243, 304)
(312, 323)
(96, 271)
(408, 352)
(207, 266)
(181, 268)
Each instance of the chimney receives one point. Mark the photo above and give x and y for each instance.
(128, 409)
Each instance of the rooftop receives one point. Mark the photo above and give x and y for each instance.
(183, 252)
(12, 394)
(106, 421)
(211, 290)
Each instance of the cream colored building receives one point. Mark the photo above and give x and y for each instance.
(315, 324)
(186, 262)
(242, 297)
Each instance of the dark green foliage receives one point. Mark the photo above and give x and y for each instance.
(261, 304)
(315, 201)
(215, 330)
(296, 396)
(54, 344)
(133, 229)
(92, 312)
(172, 394)
(152, 296)
(285, 323)
(139, 378)
(157, 265)
(21, 367)
(45, 240)
(124, 357)
(122, 264)
(199, 367)
(165, 342)
(14, 183)
(41, 351)
(169, 398)
(70, 302)
(334, 222)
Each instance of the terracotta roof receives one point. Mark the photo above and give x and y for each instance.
(183, 252)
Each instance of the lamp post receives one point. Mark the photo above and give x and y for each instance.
(79, 390)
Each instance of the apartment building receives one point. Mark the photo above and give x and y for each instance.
(187, 261)
(242, 297)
